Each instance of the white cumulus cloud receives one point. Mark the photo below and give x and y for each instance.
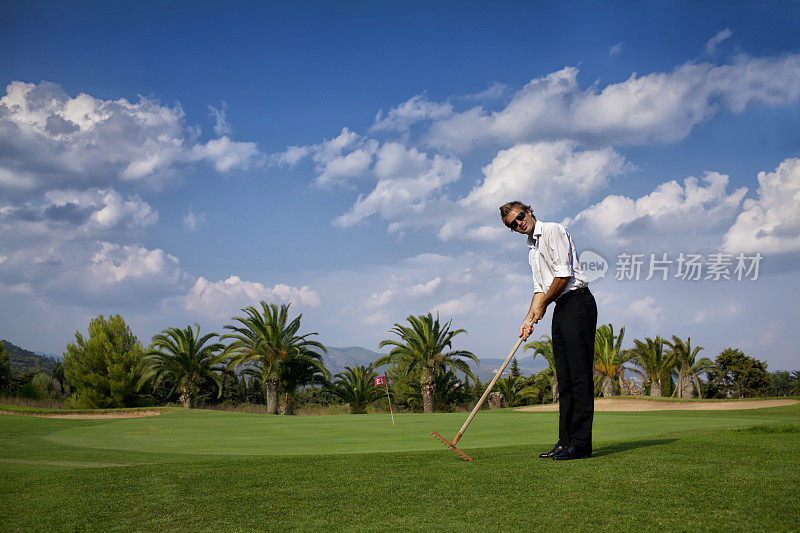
(403, 291)
(547, 174)
(457, 306)
(413, 110)
(62, 216)
(660, 107)
(689, 214)
(226, 297)
(770, 223)
(114, 263)
(407, 180)
(49, 139)
(645, 309)
(338, 161)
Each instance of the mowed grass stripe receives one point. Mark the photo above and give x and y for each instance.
(676, 470)
(718, 480)
(224, 433)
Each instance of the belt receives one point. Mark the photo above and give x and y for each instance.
(569, 294)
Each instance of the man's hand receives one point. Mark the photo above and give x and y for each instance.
(535, 313)
(525, 329)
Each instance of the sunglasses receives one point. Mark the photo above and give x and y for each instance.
(519, 218)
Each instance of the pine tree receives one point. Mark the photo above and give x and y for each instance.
(5, 370)
(104, 369)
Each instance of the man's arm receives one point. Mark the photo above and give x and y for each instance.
(527, 325)
(557, 243)
(554, 292)
(539, 304)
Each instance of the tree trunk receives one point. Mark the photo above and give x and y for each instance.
(554, 388)
(608, 386)
(688, 386)
(496, 400)
(186, 398)
(286, 404)
(428, 388)
(271, 390)
(699, 389)
(655, 388)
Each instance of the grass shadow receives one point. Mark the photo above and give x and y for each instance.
(769, 429)
(620, 447)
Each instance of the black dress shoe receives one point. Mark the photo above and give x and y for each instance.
(556, 450)
(571, 452)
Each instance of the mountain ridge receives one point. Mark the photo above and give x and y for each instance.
(23, 361)
(339, 357)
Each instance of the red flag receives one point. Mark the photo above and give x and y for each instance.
(380, 380)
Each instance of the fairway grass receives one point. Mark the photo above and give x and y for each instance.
(211, 470)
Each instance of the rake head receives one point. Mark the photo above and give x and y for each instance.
(452, 446)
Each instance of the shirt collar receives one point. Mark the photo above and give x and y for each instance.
(537, 232)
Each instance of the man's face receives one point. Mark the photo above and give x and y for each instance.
(519, 220)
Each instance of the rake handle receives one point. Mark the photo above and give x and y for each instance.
(487, 391)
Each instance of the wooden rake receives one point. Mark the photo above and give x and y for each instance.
(452, 445)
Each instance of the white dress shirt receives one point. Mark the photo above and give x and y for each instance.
(552, 255)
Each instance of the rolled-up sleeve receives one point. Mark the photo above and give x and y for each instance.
(536, 286)
(559, 244)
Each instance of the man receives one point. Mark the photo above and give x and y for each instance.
(557, 277)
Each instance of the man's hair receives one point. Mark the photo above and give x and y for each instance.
(505, 209)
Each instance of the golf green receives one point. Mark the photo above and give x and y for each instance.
(217, 432)
(211, 470)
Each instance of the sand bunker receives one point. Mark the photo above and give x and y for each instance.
(131, 414)
(624, 404)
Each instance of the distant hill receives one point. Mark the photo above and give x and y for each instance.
(527, 365)
(338, 358)
(23, 361)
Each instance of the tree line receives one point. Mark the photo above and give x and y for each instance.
(263, 358)
(659, 367)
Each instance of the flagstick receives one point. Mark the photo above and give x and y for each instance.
(386, 382)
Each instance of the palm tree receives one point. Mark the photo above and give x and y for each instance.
(356, 387)
(796, 386)
(657, 365)
(299, 370)
(544, 347)
(423, 345)
(515, 389)
(449, 391)
(266, 342)
(688, 366)
(543, 381)
(182, 358)
(609, 358)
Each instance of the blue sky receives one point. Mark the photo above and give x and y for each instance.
(175, 164)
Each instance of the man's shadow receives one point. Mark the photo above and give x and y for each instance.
(619, 447)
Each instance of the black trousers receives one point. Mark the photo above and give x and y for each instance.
(574, 324)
